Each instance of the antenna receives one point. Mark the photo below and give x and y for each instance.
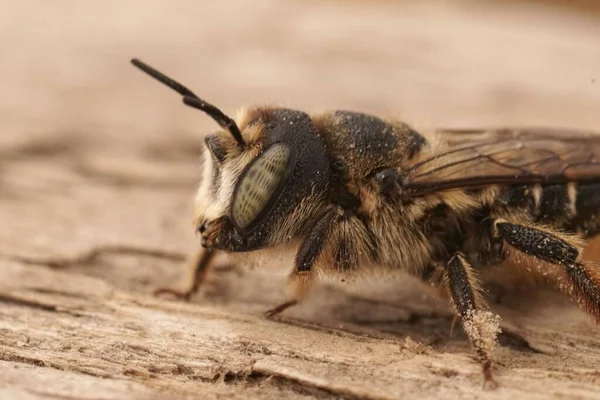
(190, 99)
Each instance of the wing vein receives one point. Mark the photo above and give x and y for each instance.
(505, 157)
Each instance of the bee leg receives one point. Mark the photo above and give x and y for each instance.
(480, 325)
(198, 272)
(299, 285)
(301, 278)
(581, 280)
(271, 312)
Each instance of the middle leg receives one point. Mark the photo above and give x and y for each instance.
(302, 276)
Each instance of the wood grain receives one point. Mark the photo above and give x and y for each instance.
(98, 168)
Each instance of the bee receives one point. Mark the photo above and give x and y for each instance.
(354, 193)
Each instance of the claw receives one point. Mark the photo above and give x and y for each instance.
(488, 381)
(179, 294)
(280, 308)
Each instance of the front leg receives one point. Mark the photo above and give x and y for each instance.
(301, 278)
(199, 268)
(480, 325)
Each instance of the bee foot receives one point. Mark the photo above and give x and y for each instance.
(489, 384)
(179, 294)
(280, 308)
(488, 381)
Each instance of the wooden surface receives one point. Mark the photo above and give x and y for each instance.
(98, 167)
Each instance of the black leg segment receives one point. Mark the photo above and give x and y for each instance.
(301, 278)
(480, 325)
(583, 284)
(538, 243)
(460, 285)
(313, 245)
(579, 279)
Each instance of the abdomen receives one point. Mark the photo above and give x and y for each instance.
(571, 206)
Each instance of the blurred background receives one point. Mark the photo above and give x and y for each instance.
(92, 152)
(99, 165)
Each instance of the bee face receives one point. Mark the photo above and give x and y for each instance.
(267, 192)
(266, 176)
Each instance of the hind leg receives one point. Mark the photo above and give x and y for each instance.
(578, 279)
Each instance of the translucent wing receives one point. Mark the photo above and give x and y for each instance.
(486, 157)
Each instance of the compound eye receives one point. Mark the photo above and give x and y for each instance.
(257, 187)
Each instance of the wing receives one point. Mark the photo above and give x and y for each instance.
(486, 157)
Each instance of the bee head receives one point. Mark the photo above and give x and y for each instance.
(265, 178)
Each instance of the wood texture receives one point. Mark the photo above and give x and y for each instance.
(98, 167)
